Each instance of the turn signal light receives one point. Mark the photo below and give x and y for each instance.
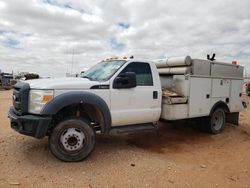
(47, 98)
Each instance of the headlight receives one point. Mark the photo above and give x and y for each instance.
(38, 99)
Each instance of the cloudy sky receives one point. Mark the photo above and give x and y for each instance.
(46, 36)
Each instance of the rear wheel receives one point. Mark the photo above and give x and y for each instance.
(215, 123)
(72, 140)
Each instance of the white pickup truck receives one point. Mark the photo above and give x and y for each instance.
(126, 95)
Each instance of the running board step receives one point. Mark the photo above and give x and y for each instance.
(133, 128)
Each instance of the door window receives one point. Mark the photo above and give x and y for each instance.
(142, 71)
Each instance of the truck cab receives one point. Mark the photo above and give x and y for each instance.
(111, 94)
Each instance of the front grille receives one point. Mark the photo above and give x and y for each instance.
(21, 97)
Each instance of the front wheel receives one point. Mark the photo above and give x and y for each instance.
(72, 140)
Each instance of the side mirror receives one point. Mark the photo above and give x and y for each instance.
(125, 80)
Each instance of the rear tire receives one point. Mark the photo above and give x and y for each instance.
(72, 140)
(215, 123)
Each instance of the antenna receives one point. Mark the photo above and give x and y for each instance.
(67, 53)
(73, 53)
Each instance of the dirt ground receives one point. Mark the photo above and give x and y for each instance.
(180, 156)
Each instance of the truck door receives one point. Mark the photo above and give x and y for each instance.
(139, 104)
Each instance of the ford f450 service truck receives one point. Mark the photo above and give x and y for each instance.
(126, 95)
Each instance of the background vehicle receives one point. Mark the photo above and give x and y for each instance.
(248, 88)
(6, 80)
(126, 95)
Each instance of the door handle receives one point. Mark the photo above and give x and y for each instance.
(155, 94)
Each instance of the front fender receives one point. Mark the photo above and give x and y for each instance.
(78, 97)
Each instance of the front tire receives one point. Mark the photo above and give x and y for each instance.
(72, 140)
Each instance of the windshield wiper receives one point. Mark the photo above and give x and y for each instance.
(91, 79)
(87, 77)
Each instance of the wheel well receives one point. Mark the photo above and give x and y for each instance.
(87, 111)
(221, 105)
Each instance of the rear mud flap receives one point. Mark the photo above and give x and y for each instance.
(233, 118)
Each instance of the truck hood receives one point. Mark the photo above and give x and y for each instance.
(62, 83)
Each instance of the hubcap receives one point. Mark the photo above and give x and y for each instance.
(217, 120)
(72, 139)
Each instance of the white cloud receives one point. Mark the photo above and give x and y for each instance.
(2, 5)
(41, 35)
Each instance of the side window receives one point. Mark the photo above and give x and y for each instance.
(142, 71)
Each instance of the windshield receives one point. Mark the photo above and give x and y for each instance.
(103, 71)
